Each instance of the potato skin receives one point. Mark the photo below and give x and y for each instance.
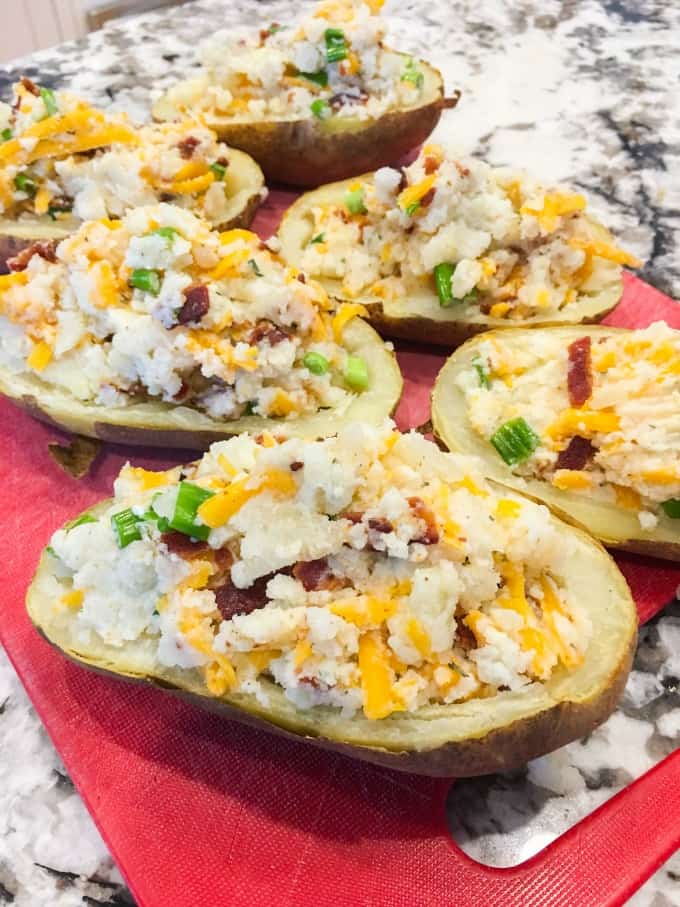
(309, 152)
(614, 526)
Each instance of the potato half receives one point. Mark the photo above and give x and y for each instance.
(476, 737)
(613, 525)
(419, 316)
(158, 424)
(312, 151)
(243, 178)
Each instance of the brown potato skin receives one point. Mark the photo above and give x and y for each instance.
(313, 156)
(502, 750)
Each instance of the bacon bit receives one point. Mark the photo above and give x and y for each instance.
(465, 637)
(30, 85)
(197, 303)
(579, 372)
(379, 524)
(431, 165)
(310, 681)
(222, 559)
(265, 330)
(427, 198)
(183, 392)
(463, 171)
(423, 512)
(295, 465)
(222, 161)
(187, 147)
(317, 575)
(403, 182)
(231, 601)
(167, 196)
(344, 97)
(353, 516)
(45, 250)
(181, 544)
(302, 278)
(576, 454)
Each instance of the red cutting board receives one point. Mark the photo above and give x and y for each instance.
(200, 811)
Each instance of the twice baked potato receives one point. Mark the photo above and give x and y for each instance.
(63, 162)
(320, 103)
(366, 593)
(444, 249)
(584, 419)
(157, 330)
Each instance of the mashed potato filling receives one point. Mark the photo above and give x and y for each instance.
(60, 157)
(604, 416)
(160, 306)
(330, 64)
(365, 571)
(471, 233)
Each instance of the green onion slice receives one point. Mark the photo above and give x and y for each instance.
(319, 78)
(219, 170)
(443, 274)
(50, 101)
(321, 109)
(6, 134)
(336, 45)
(356, 373)
(354, 201)
(316, 363)
(168, 233)
(515, 441)
(320, 237)
(189, 499)
(24, 182)
(125, 527)
(482, 371)
(672, 508)
(412, 74)
(146, 280)
(411, 210)
(253, 265)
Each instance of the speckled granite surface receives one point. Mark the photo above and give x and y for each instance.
(584, 91)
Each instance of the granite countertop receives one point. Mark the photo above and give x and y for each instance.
(583, 91)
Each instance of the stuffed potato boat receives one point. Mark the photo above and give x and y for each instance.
(63, 162)
(155, 329)
(366, 592)
(585, 419)
(444, 249)
(314, 102)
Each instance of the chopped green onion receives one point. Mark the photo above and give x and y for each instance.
(24, 182)
(672, 508)
(50, 101)
(356, 373)
(354, 201)
(319, 78)
(250, 408)
(6, 134)
(320, 237)
(482, 371)
(168, 233)
(125, 526)
(55, 212)
(253, 265)
(219, 170)
(316, 363)
(443, 274)
(146, 280)
(79, 521)
(274, 27)
(515, 441)
(50, 550)
(411, 210)
(321, 109)
(412, 74)
(336, 45)
(189, 499)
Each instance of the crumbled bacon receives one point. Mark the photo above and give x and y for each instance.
(196, 304)
(183, 392)
(343, 97)
(231, 600)
(30, 85)
(420, 509)
(462, 171)
(576, 454)
(353, 516)
(45, 250)
(431, 165)
(295, 465)
(180, 544)
(266, 330)
(465, 637)
(316, 575)
(427, 198)
(579, 372)
(379, 524)
(302, 278)
(187, 147)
